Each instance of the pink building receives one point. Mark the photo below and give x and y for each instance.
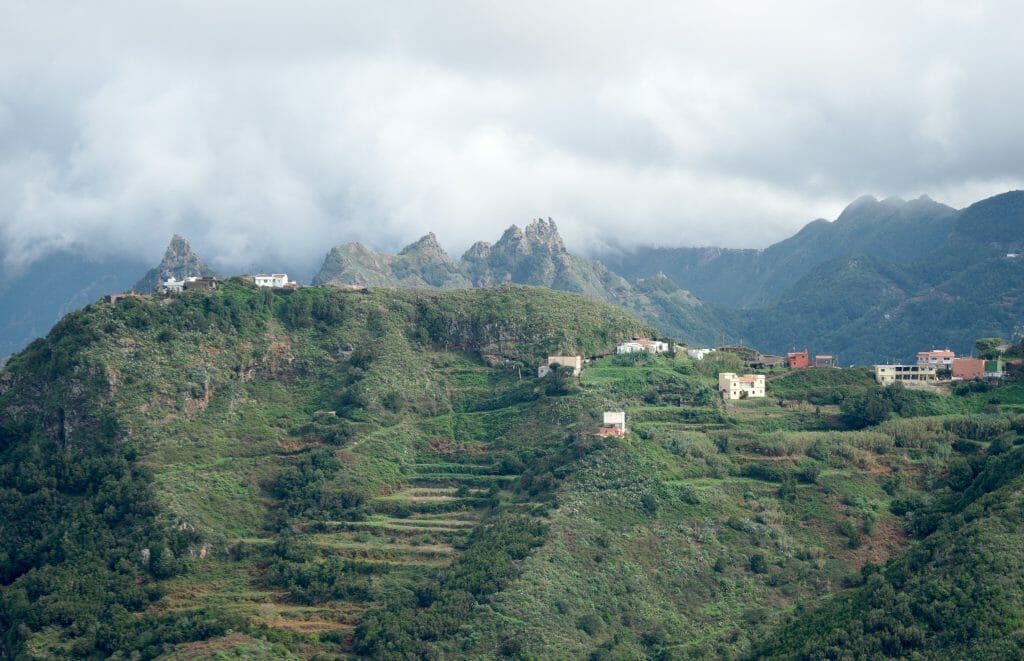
(941, 358)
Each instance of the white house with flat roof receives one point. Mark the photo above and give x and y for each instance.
(277, 280)
(641, 344)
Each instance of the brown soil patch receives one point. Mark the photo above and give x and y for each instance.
(877, 469)
(212, 646)
(885, 541)
(296, 444)
(439, 445)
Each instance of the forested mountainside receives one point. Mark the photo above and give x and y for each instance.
(891, 230)
(870, 309)
(285, 474)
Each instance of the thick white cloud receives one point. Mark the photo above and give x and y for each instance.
(267, 133)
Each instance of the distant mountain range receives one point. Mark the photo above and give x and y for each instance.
(884, 280)
(892, 230)
(534, 255)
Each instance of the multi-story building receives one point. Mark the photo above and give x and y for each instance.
(740, 387)
(940, 358)
(798, 360)
(886, 374)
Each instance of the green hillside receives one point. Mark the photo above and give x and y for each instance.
(380, 473)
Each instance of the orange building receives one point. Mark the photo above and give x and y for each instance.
(798, 360)
(966, 369)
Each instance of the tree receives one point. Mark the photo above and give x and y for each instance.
(987, 346)
(867, 409)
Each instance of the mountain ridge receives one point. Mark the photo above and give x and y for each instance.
(532, 255)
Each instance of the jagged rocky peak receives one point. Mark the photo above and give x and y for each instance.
(426, 245)
(479, 251)
(539, 236)
(179, 262)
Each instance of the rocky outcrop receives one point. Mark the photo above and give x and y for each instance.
(179, 262)
(420, 264)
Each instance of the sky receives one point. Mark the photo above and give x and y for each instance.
(268, 132)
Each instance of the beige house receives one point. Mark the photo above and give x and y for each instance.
(573, 362)
(886, 374)
(733, 386)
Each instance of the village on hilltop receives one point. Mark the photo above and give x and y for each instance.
(931, 367)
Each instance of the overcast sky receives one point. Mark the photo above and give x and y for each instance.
(271, 131)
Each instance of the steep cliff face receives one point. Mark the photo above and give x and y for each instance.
(179, 262)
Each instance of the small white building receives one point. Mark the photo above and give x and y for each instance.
(641, 344)
(171, 286)
(573, 362)
(276, 280)
(733, 386)
(698, 354)
(614, 424)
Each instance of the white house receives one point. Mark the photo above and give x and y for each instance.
(573, 362)
(277, 280)
(640, 344)
(740, 387)
(171, 286)
(614, 424)
(698, 354)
